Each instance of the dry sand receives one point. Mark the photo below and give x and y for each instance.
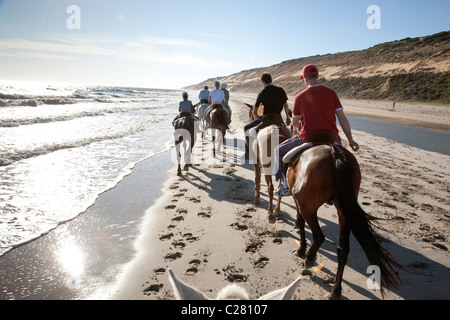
(207, 229)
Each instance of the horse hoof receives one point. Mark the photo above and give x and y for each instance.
(307, 272)
(277, 212)
(309, 264)
(331, 296)
(301, 252)
(272, 218)
(186, 168)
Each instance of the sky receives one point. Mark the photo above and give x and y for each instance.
(175, 43)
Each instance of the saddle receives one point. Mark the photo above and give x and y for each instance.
(223, 113)
(185, 121)
(314, 139)
(271, 119)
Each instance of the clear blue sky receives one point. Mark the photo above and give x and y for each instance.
(173, 43)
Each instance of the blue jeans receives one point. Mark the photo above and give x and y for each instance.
(283, 148)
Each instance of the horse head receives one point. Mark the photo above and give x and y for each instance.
(251, 114)
(183, 291)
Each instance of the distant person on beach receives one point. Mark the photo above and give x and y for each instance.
(223, 87)
(217, 99)
(186, 108)
(315, 108)
(203, 96)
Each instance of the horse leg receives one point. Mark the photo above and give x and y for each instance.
(224, 148)
(318, 237)
(342, 254)
(270, 188)
(178, 151)
(257, 182)
(301, 251)
(189, 145)
(214, 144)
(278, 206)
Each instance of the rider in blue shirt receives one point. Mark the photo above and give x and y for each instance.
(203, 96)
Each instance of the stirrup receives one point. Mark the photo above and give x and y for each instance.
(282, 192)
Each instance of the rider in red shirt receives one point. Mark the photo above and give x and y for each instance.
(315, 108)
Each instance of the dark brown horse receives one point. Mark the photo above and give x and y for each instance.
(218, 124)
(184, 137)
(327, 173)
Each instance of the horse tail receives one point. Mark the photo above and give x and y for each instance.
(360, 224)
(217, 119)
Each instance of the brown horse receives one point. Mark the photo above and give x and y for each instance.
(217, 124)
(184, 136)
(327, 173)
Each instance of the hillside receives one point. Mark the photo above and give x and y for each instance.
(412, 69)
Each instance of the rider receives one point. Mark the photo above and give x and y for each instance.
(217, 99)
(315, 108)
(274, 100)
(223, 87)
(203, 96)
(186, 108)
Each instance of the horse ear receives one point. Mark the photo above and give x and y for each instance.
(249, 105)
(260, 109)
(183, 291)
(282, 294)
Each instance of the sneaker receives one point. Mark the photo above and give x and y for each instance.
(282, 192)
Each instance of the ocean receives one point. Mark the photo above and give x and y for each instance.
(63, 146)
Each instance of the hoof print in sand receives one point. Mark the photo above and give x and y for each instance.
(261, 262)
(173, 256)
(205, 215)
(178, 244)
(193, 269)
(238, 226)
(160, 271)
(166, 237)
(154, 288)
(190, 237)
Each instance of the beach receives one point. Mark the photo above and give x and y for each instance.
(206, 228)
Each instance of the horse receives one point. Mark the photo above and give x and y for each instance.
(184, 291)
(328, 173)
(184, 136)
(265, 142)
(217, 123)
(205, 122)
